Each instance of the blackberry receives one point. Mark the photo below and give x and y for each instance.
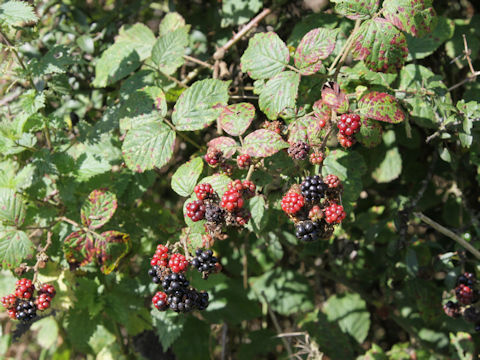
(313, 188)
(196, 210)
(201, 301)
(465, 294)
(471, 314)
(466, 279)
(26, 310)
(299, 150)
(175, 284)
(153, 272)
(159, 300)
(214, 213)
(307, 231)
(205, 262)
(452, 309)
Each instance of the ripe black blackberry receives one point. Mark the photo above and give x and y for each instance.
(471, 314)
(26, 310)
(452, 309)
(299, 150)
(205, 262)
(214, 213)
(466, 279)
(175, 284)
(313, 188)
(153, 272)
(307, 231)
(191, 300)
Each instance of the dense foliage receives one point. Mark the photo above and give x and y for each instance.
(239, 179)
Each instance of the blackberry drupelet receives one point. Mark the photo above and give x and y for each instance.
(175, 284)
(153, 272)
(313, 188)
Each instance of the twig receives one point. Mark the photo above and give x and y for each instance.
(474, 75)
(468, 79)
(197, 61)
(183, 136)
(10, 97)
(277, 326)
(251, 169)
(42, 256)
(443, 230)
(220, 53)
(245, 262)
(345, 49)
(224, 340)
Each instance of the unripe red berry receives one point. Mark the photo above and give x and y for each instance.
(196, 210)
(203, 191)
(334, 214)
(292, 202)
(231, 200)
(178, 263)
(244, 161)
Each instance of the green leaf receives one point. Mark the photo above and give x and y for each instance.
(380, 45)
(133, 45)
(111, 247)
(168, 51)
(416, 17)
(279, 94)
(186, 176)
(200, 104)
(263, 143)
(98, 209)
(237, 12)
(47, 335)
(259, 218)
(14, 247)
(171, 22)
(101, 338)
(350, 311)
(419, 48)
(370, 134)
(168, 325)
(390, 168)
(462, 344)
(356, 9)
(16, 12)
(225, 144)
(12, 207)
(147, 146)
(236, 118)
(55, 61)
(306, 128)
(287, 291)
(266, 56)
(315, 46)
(219, 182)
(381, 107)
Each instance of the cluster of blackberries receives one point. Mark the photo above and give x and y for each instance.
(23, 305)
(313, 207)
(169, 272)
(228, 210)
(299, 150)
(467, 295)
(215, 158)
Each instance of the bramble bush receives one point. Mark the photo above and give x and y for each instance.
(239, 179)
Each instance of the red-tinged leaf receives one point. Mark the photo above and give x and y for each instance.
(416, 17)
(314, 47)
(79, 248)
(111, 247)
(226, 145)
(380, 45)
(321, 110)
(382, 107)
(335, 98)
(236, 118)
(263, 143)
(98, 209)
(356, 9)
(370, 134)
(307, 129)
(279, 94)
(266, 56)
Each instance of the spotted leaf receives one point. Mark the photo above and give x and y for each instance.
(306, 129)
(110, 247)
(236, 118)
(380, 45)
(219, 182)
(226, 145)
(370, 134)
(416, 17)
(12, 207)
(14, 247)
(356, 9)
(321, 110)
(266, 56)
(263, 143)
(382, 107)
(279, 93)
(98, 209)
(314, 47)
(79, 248)
(147, 146)
(200, 104)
